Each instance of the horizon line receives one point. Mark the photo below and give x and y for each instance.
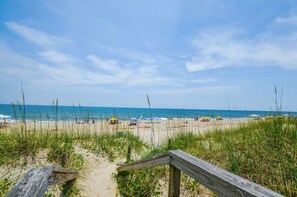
(211, 109)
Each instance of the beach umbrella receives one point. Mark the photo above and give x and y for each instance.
(112, 119)
(4, 116)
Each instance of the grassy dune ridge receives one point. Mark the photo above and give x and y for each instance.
(264, 152)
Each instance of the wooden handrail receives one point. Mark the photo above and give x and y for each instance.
(37, 180)
(157, 160)
(216, 179)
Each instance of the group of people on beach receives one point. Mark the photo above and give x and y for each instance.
(87, 121)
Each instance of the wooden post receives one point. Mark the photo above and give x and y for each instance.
(169, 144)
(66, 187)
(174, 182)
(129, 154)
(64, 160)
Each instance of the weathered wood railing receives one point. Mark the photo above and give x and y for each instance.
(37, 180)
(216, 179)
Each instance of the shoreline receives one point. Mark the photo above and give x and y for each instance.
(162, 119)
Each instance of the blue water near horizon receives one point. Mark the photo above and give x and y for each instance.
(48, 112)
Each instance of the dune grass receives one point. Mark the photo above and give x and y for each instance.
(264, 152)
(19, 146)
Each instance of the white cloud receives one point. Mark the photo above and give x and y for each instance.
(59, 58)
(52, 67)
(203, 90)
(129, 75)
(134, 56)
(107, 65)
(38, 37)
(55, 69)
(290, 19)
(138, 68)
(227, 48)
(16, 67)
(73, 76)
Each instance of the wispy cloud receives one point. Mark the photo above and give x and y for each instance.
(230, 48)
(38, 37)
(291, 18)
(16, 67)
(54, 68)
(203, 90)
(59, 58)
(57, 67)
(137, 56)
(127, 74)
(110, 66)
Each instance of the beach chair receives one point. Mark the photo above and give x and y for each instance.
(219, 118)
(205, 119)
(113, 121)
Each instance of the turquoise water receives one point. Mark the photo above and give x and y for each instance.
(47, 112)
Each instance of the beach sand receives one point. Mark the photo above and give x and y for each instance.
(163, 129)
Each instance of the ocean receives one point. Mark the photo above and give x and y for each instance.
(70, 113)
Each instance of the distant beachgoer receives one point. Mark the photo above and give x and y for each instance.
(93, 121)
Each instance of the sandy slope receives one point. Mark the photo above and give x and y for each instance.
(96, 178)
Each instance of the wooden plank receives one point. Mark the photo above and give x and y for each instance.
(215, 178)
(174, 182)
(60, 169)
(157, 160)
(35, 183)
(60, 175)
(37, 180)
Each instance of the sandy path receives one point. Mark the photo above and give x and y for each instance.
(96, 179)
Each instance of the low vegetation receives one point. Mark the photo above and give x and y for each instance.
(19, 148)
(264, 152)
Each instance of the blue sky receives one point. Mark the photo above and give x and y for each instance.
(184, 54)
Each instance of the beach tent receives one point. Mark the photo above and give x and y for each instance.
(4, 117)
(255, 116)
(133, 121)
(287, 116)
